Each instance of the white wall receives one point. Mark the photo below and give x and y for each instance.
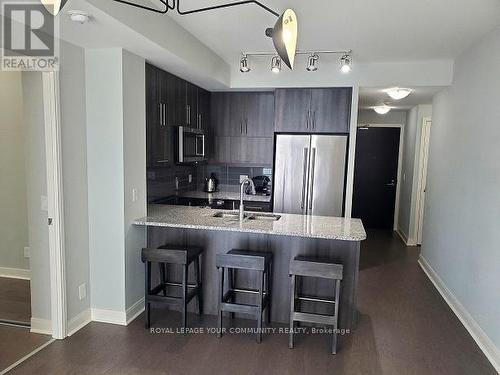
(13, 195)
(462, 210)
(408, 184)
(116, 160)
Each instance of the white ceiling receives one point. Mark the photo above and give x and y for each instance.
(374, 96)
(377, 31)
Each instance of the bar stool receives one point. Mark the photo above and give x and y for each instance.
(173, 254)
(245, 260)
(302, 266)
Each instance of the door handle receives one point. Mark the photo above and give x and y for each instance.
(311, 182)
(391, 184)
(304, 178)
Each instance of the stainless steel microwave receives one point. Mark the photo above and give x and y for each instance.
(191, 145)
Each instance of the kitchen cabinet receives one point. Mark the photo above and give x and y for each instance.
(203, 119)
(252, 114)
(221, 150)
(251, 150)
(313, 110)
(159, 133)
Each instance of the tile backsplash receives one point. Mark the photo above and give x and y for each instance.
(164, 182)
(230, 175)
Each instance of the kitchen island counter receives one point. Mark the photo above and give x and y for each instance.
(321, 227)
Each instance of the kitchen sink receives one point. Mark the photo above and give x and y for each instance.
(248, 216)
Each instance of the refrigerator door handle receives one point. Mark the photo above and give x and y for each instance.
(311, 181)
(304, 178)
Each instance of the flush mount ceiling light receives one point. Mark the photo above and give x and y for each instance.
(312, 62)
(276, 64)
(398, 93)
(244, 68)
(79, 16)
(284, 34)
(54, 6)
(382, 109)
(345, 63)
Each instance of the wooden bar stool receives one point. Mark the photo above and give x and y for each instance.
(302, 266)
(261, 262)
(172, 254)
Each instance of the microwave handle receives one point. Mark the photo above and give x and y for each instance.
(202, 137)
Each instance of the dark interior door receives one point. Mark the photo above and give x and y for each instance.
(375, 176)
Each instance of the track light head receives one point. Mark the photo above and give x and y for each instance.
(312, 62)
(345, 63)
(244, 67)
(276, 64)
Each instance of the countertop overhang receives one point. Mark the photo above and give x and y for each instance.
(306, 226)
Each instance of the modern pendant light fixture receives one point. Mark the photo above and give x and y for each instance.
(345, 63)
(276, 64)
(284, 35)
(54, 6)
(244, 68)
(382, 109)
(398, 93)
(312, 62)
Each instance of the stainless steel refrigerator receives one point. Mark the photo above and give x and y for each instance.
(309, 174)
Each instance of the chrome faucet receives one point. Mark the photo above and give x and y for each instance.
(242, 188)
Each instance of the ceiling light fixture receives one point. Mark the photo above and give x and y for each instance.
(79, 16)
(345, 63)
(312, 62)
(54, 6)
(284, 35)
(276, 64)
(382, 109)
(244, 67)
(398, 93)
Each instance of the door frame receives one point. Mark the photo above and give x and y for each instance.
(400, 164)
(422, 177)
(53, 154)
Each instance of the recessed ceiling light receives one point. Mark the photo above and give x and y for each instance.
(79, 16)
(382, 109)
(398, 93)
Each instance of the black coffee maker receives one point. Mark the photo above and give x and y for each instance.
(262, 185)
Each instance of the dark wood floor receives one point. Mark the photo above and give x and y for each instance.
(17, 342)
(405, 327)
(15, 300)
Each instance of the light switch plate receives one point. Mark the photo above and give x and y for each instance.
(134, 195)
(44, 203)
(82, 291)
(27, 252)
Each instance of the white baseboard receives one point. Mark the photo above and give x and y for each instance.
(480, 337)
(79, 321)
(122, 318)
(406, 240)
(15, 273)
(43, 326)
(135, 310)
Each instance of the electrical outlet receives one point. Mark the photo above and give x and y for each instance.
(134, 195)
(243, 177)
(82, 291)
(27, 252)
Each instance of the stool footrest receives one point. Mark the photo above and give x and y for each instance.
(239, 308)
(316, 299)
(313, 318)
(172, 299)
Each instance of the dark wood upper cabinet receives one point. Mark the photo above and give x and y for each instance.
(220, 122)
(331, 110)
(203, 119)
(259, 114)
(191, 105)
(292, 110)
(313, 110)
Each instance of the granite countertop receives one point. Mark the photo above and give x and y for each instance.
(225, 194)
(333, 228)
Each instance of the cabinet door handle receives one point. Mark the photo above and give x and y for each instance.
(187, 115)
(200, 120)
(246, 126)
(162, 161)
(314, 120)
(164, 114)
(161, 114)
(241, 126)
(308, 116)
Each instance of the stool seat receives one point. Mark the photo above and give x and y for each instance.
(173, 254)
(316, 267)
(244, 259)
